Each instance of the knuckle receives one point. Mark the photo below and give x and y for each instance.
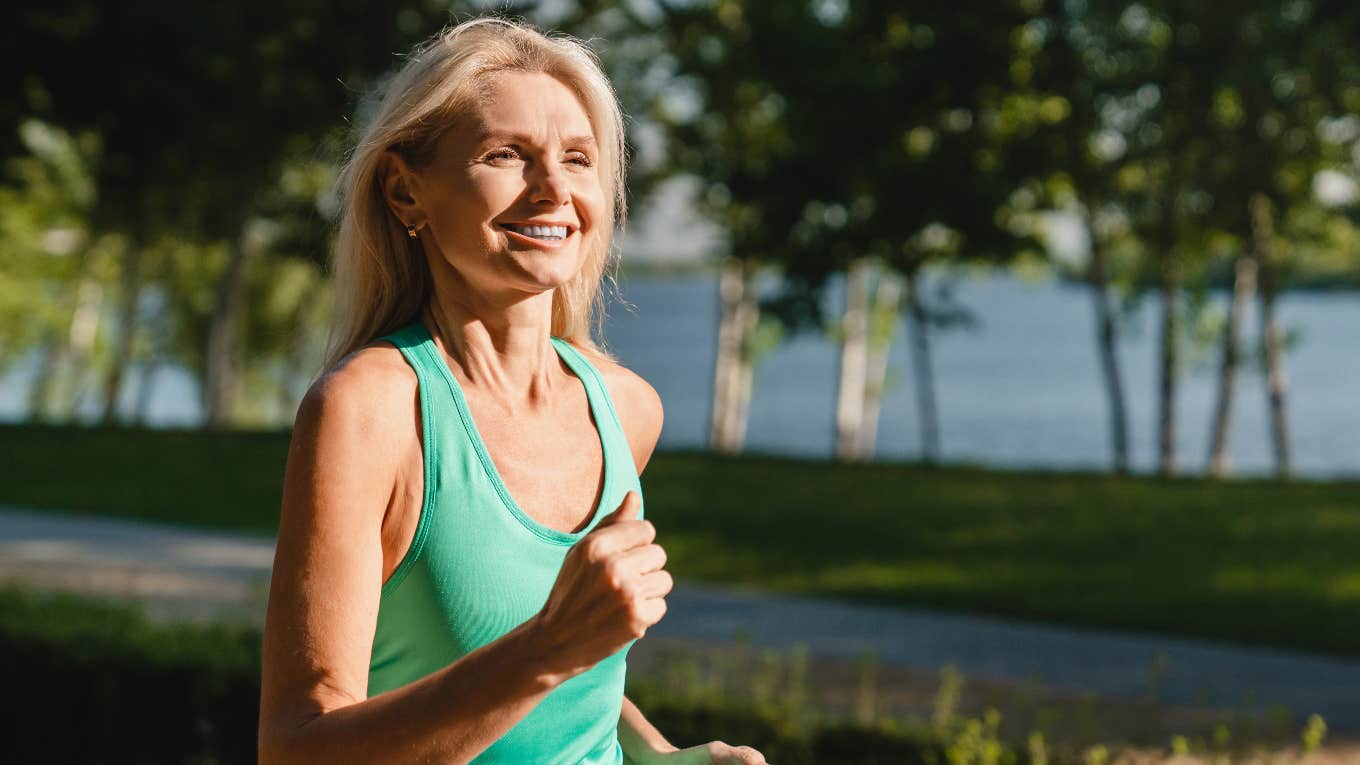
(593, 551)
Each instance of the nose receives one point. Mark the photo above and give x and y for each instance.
(549, 184)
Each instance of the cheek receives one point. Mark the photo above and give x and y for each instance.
(590, 198)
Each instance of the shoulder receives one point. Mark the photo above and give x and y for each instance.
(637, 403)
(369, 393)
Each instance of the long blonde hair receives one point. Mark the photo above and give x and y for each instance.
(382, 281)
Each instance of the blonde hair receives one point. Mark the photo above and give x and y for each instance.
(382, 280)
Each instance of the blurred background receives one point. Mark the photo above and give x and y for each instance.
(1037, 314)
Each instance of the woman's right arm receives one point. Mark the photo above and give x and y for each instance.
(323, 606)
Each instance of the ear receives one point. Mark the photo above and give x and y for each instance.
(400, 186)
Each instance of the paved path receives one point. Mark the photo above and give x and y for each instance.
(208, 574)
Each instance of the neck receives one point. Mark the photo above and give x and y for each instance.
(496, 344)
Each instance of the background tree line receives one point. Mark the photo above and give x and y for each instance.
(177, 163)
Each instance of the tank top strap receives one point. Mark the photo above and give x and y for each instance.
(599, 394)
(413, 342)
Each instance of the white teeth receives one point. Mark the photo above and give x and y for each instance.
(539, 232)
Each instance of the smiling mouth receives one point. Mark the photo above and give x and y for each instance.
(553, 234)
(539, 237)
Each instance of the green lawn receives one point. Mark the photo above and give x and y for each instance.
(1259, 562)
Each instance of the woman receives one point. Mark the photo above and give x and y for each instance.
(462, 562)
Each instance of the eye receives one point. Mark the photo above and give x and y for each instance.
(507, 152)
(582, 159)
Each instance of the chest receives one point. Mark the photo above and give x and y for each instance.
(552, 465)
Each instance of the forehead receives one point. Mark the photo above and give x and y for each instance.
(531, 104)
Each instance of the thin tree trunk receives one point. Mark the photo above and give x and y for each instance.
(142, 411)
(40, 392)
(882, 329)
(733, 373)
(1276, 382)
(127, 328)
(1166, 398)
(58, 347)
(925, 377)
(1109, 357)
(748, 317)
(222, 362)
(80, 342)
(1244, 284)
(850, 396)
(729, 292)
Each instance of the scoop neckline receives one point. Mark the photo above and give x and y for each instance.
(576, 365)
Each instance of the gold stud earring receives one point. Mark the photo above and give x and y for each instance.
(411, 230)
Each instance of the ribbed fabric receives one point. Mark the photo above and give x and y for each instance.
(479, 566)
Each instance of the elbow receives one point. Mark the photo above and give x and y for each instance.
(281, 744)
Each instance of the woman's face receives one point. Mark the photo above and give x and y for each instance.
(525, 157)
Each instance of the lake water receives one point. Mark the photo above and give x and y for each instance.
(1021, 389)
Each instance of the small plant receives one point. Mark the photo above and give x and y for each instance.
(947, 698)
(1038, 750)
(1313, 733)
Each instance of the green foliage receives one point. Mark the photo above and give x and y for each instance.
(99, 681)
(45, 238)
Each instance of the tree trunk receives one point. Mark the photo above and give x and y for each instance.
(1109, 358)
(1244, 284)
(748, 318)
(57, 349)
(850, 396)
(222, 356)
(40, 391)
(733, 369)
(925, 377)
(80, 342)
(127, 328)
(1166, 398)
(142, 411)
(882, 329)
(1272, 342)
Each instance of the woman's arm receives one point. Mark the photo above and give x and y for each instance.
(638, 737)
(324, 594)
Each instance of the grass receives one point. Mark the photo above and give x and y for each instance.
(1250, 561)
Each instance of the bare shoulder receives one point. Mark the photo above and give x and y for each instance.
(361, 413)
(373, 384)
(638, 404)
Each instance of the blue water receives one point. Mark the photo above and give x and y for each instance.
(1021, 389)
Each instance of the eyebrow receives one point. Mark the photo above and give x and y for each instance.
(486, 136)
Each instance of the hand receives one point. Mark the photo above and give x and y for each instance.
(610, 589)
(712, 753)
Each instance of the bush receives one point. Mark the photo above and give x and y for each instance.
(97, 682)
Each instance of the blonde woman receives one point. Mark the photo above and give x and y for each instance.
(462, 561)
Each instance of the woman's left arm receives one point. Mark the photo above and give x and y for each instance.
(643, 744)
(641, 741)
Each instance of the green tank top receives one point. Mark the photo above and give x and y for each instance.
(479, 566)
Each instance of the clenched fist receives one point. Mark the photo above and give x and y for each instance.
(610, 589)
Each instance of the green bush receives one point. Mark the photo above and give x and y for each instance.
(97, 682)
